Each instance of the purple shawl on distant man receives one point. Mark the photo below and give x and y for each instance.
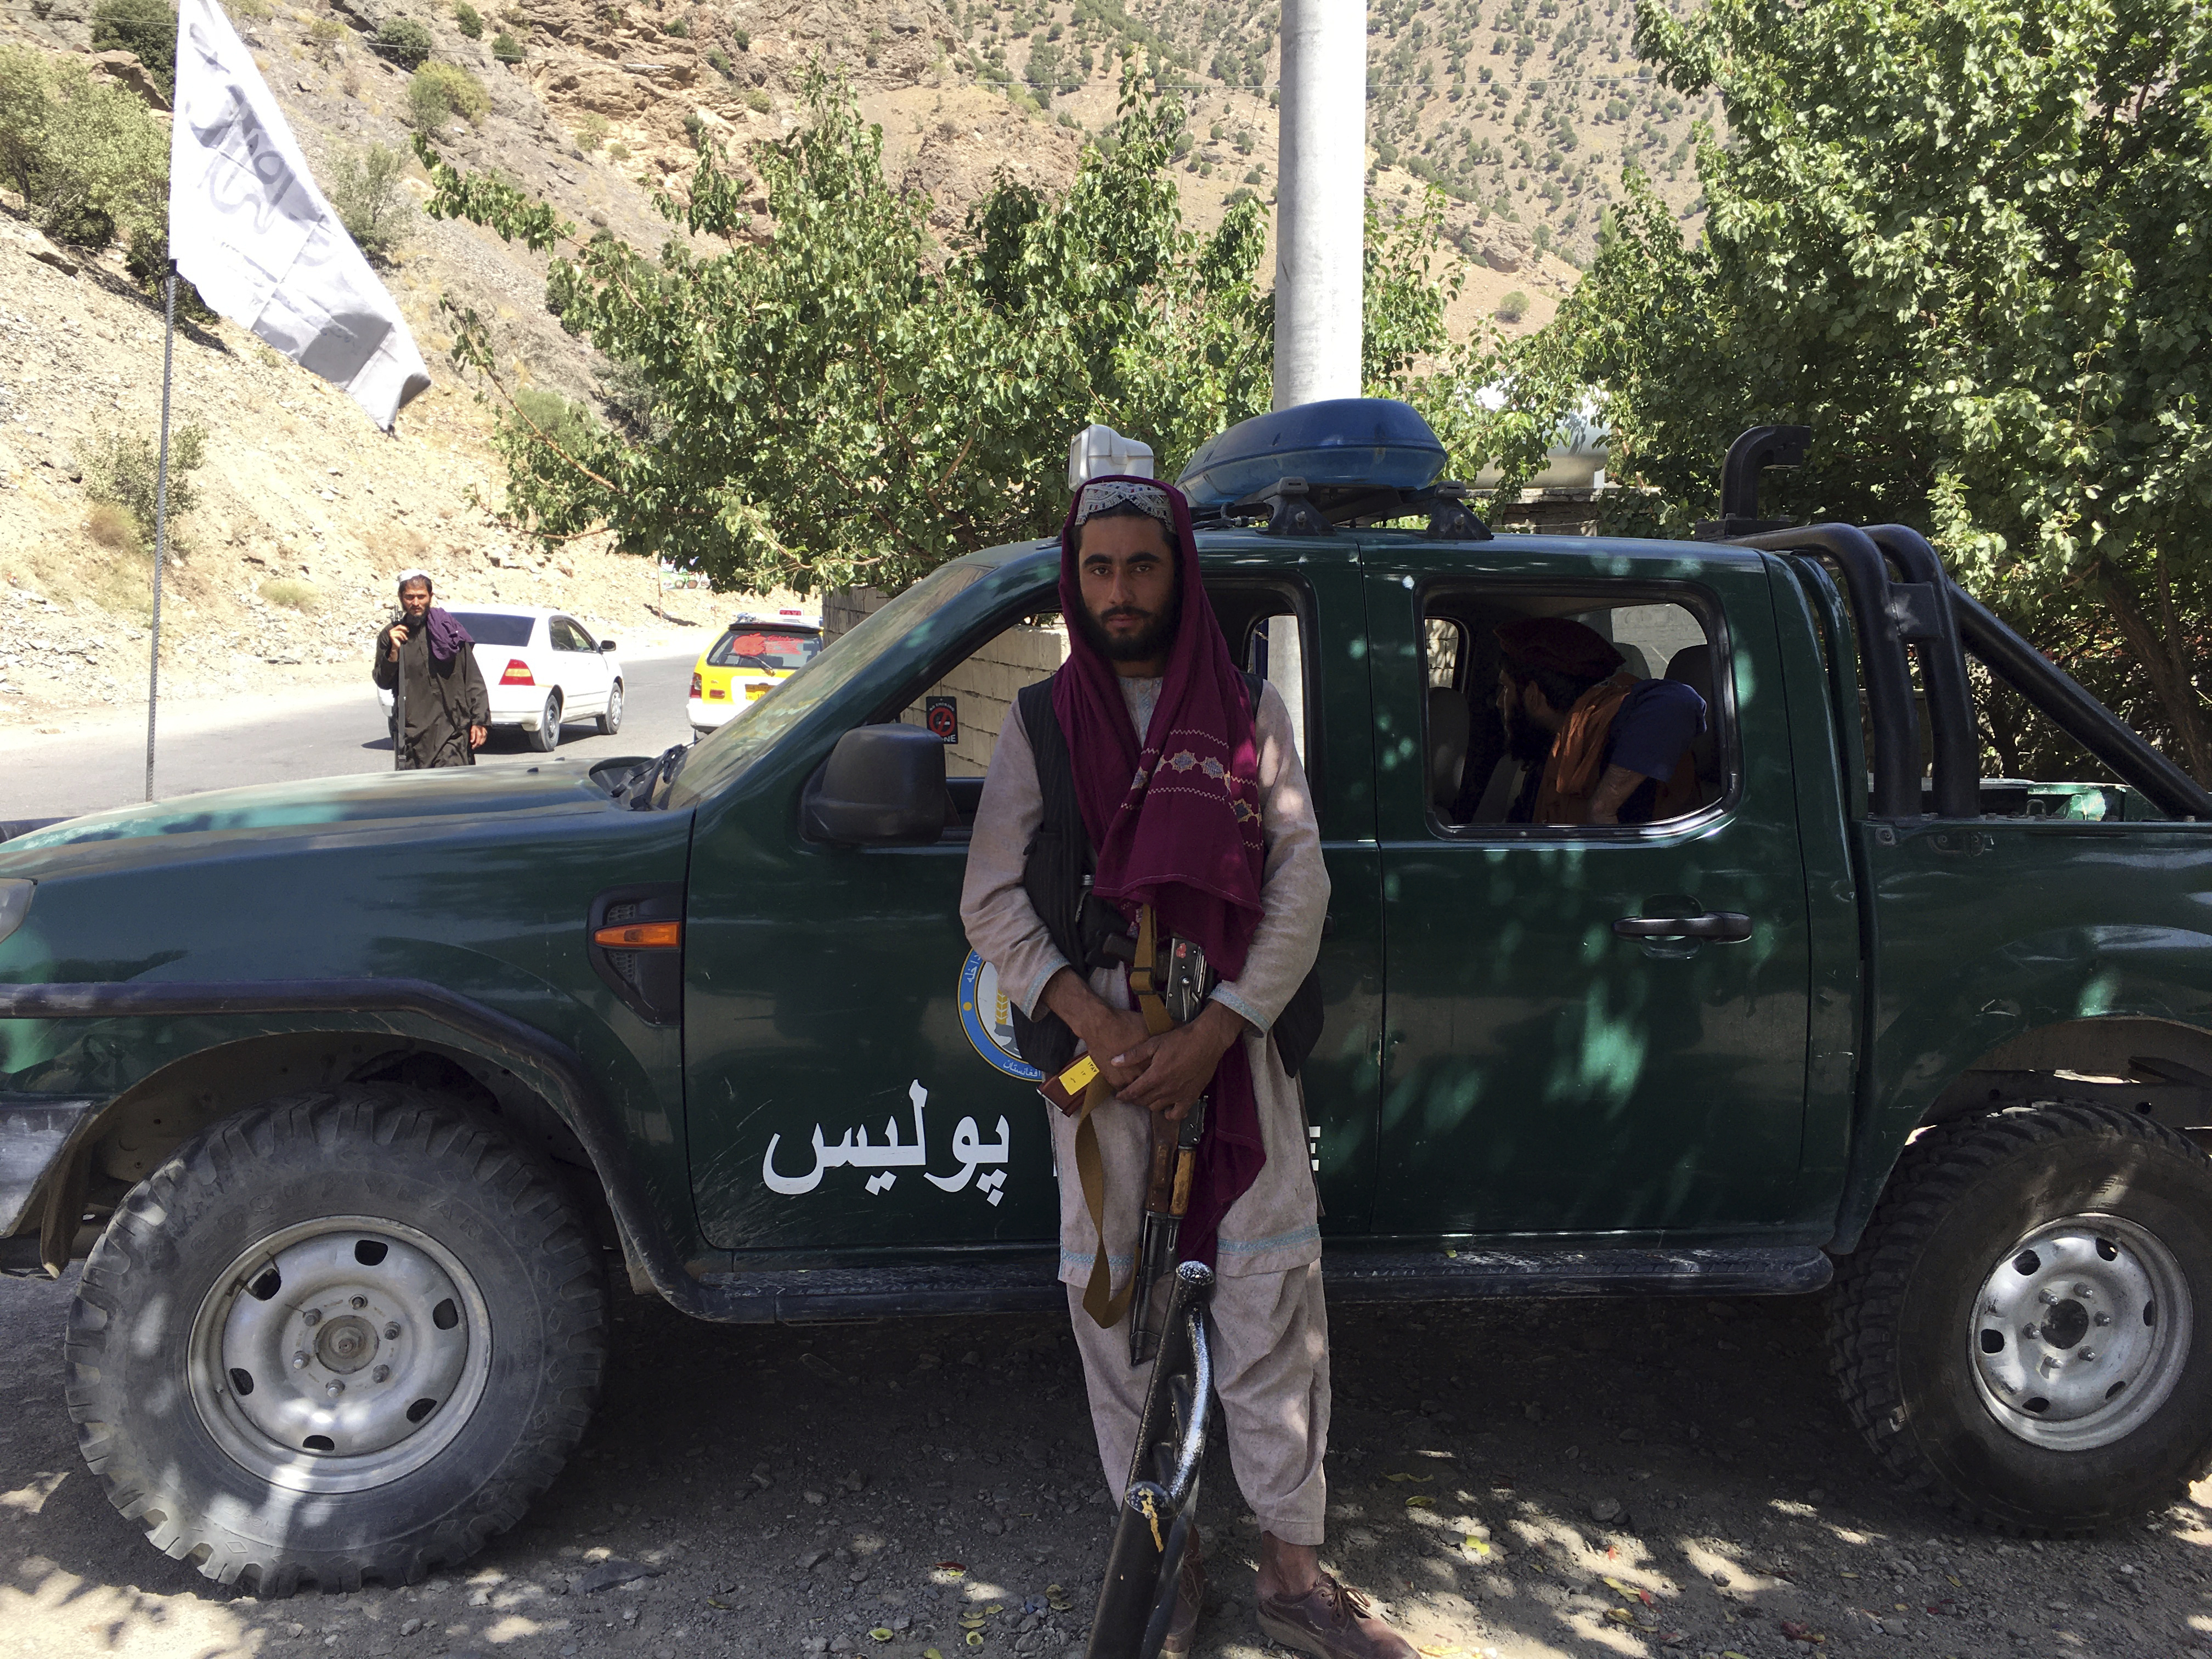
(1175, 823)
(446, 635)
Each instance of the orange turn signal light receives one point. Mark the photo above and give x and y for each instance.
(641, 936)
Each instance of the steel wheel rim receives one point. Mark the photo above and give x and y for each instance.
(2080, 1331)
(342, 1286)
(614, 706)
(549, 720)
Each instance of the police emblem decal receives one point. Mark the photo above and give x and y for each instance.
(986, 1018)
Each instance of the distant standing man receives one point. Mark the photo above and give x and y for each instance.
(1190, 793)
(428, 659)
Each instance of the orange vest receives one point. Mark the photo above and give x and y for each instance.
(1578, 761)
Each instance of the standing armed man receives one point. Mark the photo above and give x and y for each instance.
(432, 662)
(1189, 797)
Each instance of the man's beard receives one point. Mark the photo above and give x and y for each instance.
(1528, 743)
(1150, 641)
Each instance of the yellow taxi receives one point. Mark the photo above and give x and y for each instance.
(745, 663)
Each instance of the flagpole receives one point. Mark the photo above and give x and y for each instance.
(161, 514)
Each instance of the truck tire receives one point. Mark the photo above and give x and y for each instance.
(346, 1334)
(2025, 1332)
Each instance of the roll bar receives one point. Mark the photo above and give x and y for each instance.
(1923, 607)
(1884, 619)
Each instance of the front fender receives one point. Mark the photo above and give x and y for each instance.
(103, 1016)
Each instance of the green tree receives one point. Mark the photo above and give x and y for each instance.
(404, 41)
(89, 158)
(849, 402)
(469, 19)
(506, 48)
(439, 90)
(844, 401)
(122, 469)
(1966, 242)
(365, 189)
(568, 426)
(146, 28)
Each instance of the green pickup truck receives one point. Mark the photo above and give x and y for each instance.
(352, 1093)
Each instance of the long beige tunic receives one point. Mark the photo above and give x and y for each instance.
(1273, 1226)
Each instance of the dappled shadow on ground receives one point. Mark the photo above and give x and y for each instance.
(789, 1485)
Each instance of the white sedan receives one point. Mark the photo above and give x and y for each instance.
(542, 668)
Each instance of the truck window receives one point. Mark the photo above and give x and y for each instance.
(1486, 744)
(970, 701)
(1275, 648)
(967, 704)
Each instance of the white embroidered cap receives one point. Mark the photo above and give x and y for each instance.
(1115, 492)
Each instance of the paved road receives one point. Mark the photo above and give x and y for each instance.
(101, 764)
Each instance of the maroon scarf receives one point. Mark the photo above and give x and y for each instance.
(1175, 821)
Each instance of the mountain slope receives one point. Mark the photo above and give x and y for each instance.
(1520, 110)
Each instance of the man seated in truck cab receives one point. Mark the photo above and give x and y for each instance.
(1597, 743)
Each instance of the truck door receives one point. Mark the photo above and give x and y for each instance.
(852, 1078)
(1588, 1030)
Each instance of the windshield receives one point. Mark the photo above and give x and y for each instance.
(495, 628)
(715, 760)
(780, 650)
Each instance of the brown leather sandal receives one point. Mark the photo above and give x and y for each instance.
(1331, 1621)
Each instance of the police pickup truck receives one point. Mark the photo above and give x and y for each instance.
(350, 1093)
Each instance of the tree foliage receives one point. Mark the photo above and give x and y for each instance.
(89, 157)
(121, 468)
(404, 41)
(438, 91)
(1966, 243)
(846, 401)
(146, 28)
(365, 191)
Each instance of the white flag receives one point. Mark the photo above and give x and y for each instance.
(248, 228)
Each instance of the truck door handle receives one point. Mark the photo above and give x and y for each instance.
(1725, 925)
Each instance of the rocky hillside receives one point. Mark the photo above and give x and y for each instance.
(1520, 110)
(285, 572)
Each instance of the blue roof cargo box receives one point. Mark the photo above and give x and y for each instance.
(1343, 443)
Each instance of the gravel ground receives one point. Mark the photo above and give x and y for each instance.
(794, 1490)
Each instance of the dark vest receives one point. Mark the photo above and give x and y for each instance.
(1056, 874)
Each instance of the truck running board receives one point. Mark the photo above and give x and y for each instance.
(1354, 1275)
(1026, 1283)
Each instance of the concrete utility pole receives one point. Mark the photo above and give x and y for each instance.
(1321, 203)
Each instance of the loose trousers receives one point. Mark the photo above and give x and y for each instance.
(1270, 1337)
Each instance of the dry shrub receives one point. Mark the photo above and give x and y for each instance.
(112, 527)
(292, 593)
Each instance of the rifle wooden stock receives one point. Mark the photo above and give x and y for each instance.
(1160, 1189)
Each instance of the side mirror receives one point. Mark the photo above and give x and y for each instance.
(883, 786)
(606, 645)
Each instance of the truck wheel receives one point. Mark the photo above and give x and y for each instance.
(346, 1334)
(2025, 1332)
